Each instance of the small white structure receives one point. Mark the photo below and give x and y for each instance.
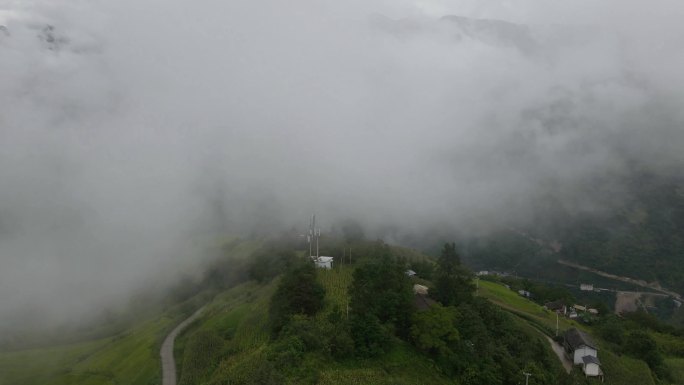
(420, 289)
(324, 262)
(593, 311)
(410, 273)
(483, 272)
(525, 293)
(586, 287)
(578, 345)
(591, 366)
(579, 307)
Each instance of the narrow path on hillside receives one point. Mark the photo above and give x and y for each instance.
(567, 364)
(166, 352)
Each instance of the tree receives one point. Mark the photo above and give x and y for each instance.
(611, 329)
(454, 283)
(641, 345)
(381, 301)
(298, 293)
(433, 330)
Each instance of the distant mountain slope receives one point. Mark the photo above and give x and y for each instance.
(630, 225)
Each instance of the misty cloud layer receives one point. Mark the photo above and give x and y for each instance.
(129, 127)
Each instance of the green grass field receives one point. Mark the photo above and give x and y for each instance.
(510, 300)
(676, 365)
(336, 282)
(238, 318)
(131, 358)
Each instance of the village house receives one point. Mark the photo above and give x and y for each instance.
(586, 287)
(591, 366)
(525, 293)
(582, 351)
(410, 273)
(557, 306)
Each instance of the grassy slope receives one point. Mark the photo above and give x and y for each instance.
(132, 358)
(619, 370)
(239, 317)
(677, 367)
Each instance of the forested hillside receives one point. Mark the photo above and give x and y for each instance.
(630, 226)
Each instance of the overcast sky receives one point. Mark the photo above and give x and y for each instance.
(131, 126)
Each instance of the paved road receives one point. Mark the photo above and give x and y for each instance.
(166, 352)
(567, 364)
(650, 285)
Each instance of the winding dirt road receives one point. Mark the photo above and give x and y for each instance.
(166, 352)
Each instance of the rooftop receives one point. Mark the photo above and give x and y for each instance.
(577, 338)
(591, 360)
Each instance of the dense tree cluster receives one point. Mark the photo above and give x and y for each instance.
(381, 304)
(298, 293)
(466, 337)
(631, 335)
(453, 282)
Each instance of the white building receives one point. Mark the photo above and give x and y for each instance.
(324, 262)
(586, 287)
(578, 345)
(410, 273)
(591, 366)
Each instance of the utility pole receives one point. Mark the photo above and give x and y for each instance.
(347, 308)
(317, 236)
(527, 377)
(312, 223)
(556, 323)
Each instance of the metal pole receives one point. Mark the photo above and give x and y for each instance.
(556, 323)
(527, 377)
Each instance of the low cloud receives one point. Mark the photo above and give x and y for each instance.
(129, 127)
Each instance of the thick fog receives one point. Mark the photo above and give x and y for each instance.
(129, 129)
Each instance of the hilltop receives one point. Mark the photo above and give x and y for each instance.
(277, 320)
